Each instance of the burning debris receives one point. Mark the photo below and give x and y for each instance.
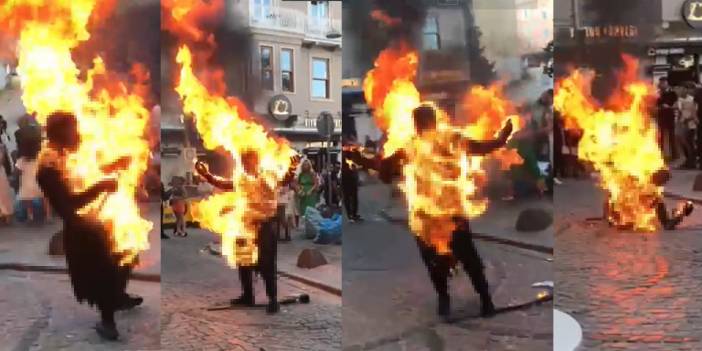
(111, 112)
(619, 140)
(261, 161)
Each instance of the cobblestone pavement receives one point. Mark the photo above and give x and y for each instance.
(193, 279)
(40, 313)
(629, 291)
(389, 303)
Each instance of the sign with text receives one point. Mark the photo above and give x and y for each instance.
(692, 13)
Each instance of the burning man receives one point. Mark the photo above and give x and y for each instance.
(669, 220)
(266, 238)
(442, 146)
(96, 275)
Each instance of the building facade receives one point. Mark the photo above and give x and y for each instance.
(296, 64)
(676, 51)
(286, 67)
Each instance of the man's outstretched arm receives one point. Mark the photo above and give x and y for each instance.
(219, 182)
(476, 147)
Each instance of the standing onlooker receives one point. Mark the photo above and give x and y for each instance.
(286, 196)
(307, 185)
(165, 196)
(6, 195)
(667, 99)
(349, 186)
(29, 192)
(179, 206)
(686, 125)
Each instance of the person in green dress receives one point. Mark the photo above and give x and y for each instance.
(308, 184)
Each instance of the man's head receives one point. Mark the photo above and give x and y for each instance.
(62, 131)
(424, 118)
(663, 83)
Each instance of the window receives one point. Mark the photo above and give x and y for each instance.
(261, 9)
(544, 15)
(286, 70)
(319, 10)
(320, 78)
(431, 34)
(267, 67)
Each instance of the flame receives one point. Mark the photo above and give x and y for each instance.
(620, 142)
(441, 181)
(382, 17)
(112, 118)
(261, 161)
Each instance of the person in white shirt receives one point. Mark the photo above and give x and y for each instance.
(29, 189)
(686, 125)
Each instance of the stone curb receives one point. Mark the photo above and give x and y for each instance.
(147, 277)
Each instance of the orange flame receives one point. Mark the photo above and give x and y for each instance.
(382, 17)
(112, 118)
(261, 161)
(441, 181)
(619, 141)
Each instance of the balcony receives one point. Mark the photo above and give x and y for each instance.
(297, 22)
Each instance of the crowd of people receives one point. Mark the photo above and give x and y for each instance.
(311, 187)
(678, 115)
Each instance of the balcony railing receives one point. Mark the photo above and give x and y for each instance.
(293, 21)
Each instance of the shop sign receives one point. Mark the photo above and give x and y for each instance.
(692, 13)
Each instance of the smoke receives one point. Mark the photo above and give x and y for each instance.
(131, 35)
(365, 36)
(230, 48)
(619, 11)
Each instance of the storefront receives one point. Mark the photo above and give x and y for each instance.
(677, 51)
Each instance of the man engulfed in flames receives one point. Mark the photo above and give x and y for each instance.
(620, 142)
(244, 214)
(96, 152)
(440, 163)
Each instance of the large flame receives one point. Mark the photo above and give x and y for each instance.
(261, 161)
(620, 142)
(112, 118)
(441, 181)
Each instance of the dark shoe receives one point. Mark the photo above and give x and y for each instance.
(243, 301)
(130, 301)
(107, 331)
(487, 308)
(444, 306)
(164, 236)
(273, 307)
(358, 218)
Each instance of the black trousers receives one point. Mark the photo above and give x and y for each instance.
(667, 133)
(691, 154)
(463, 250)
(267, 243)
(350, 190)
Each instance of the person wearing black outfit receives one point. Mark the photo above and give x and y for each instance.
(461, 245)
(95, 272)
(666, 102)
(349, 186)
(266, 240)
